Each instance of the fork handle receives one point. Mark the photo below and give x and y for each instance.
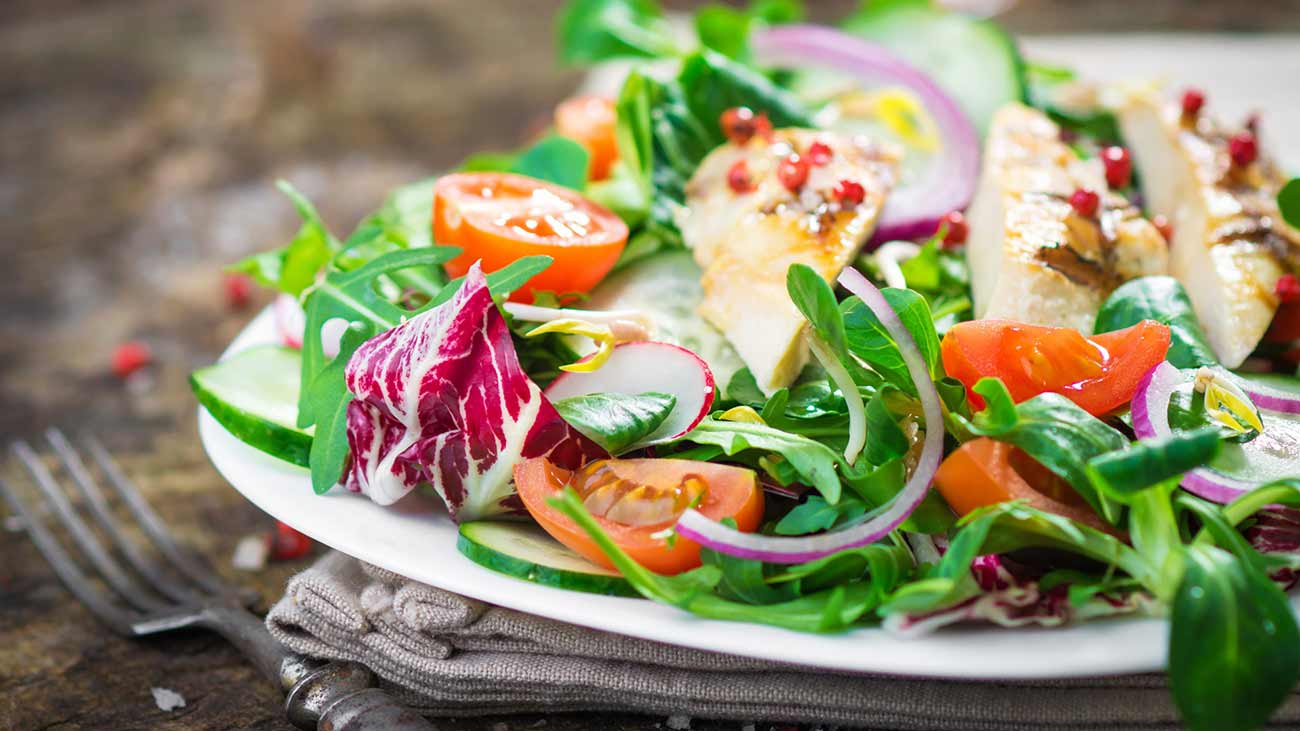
(341, 696)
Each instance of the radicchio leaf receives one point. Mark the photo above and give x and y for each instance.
(441, 399)
(1009, 600)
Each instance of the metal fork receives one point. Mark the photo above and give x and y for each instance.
(170, 588)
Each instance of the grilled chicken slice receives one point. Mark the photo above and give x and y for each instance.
(1229, 244)
(745, 237)
(1032, 257)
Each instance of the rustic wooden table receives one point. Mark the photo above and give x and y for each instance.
(138, 144)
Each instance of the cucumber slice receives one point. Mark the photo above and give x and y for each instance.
(527, 552)
(973, 59)
(254, 395)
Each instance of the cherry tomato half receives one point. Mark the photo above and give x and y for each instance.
(497, 218)
(591, 122)
(636, 500)
(1100, 373)
(986, 472)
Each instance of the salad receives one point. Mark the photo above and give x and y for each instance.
(822, 327)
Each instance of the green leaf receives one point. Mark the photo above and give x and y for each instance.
(1152, 461)
(1053, 430)
(1234, 649)
(489, 162)
(293, 268)
(501, 282)
(329, 393)
(555, 159)
(1288, 202)
(816, 300)
(814, 461)
(616, 421)
(1164, 300)
(352, 296)
(815, 515)
(404, 221)
(887, 440)
(867, 338)
(665, 128)
(590, 31)
(724, 29)
(831, 610)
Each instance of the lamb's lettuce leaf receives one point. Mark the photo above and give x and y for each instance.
(869, 341)
(1234, 648)
(1164, 300)
(616, 421)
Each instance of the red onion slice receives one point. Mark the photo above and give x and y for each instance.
(779, 549)
(949, 183)
(1151, 420)
(1269, 399)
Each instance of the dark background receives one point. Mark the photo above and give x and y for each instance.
(139, 141)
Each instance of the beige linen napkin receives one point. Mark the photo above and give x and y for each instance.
(449, 655)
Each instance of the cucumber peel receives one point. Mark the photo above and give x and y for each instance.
(254, 395)
(525, 551)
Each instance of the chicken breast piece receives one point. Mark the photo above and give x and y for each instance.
(1229, 244)
(745, 240)
(1032, 257)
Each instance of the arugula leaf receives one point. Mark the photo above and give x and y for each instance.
(1053, 430)
(815, 462)
(555, 159)
(616, 421)
(1124, 473)
(402, 222)
(867, 338)
(590, 31)
(329, 392)
(1164, 300)
(1234, 648)
(502, 282)
(829, 610)
(293, 268)
(1288, 202)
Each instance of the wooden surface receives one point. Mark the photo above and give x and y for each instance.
(138, 144)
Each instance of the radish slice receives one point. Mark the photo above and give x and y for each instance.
(290, 321)
(779, 549)
(636, 368)
(1151, 420)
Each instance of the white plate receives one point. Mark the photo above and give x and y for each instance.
(415, 538)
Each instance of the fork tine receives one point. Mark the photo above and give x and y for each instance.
(146, 566)
(107, 567)
(155, 528)
(99, 603)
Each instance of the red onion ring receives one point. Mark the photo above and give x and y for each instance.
(949, 183)
(1151, 420)
(778, 549)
